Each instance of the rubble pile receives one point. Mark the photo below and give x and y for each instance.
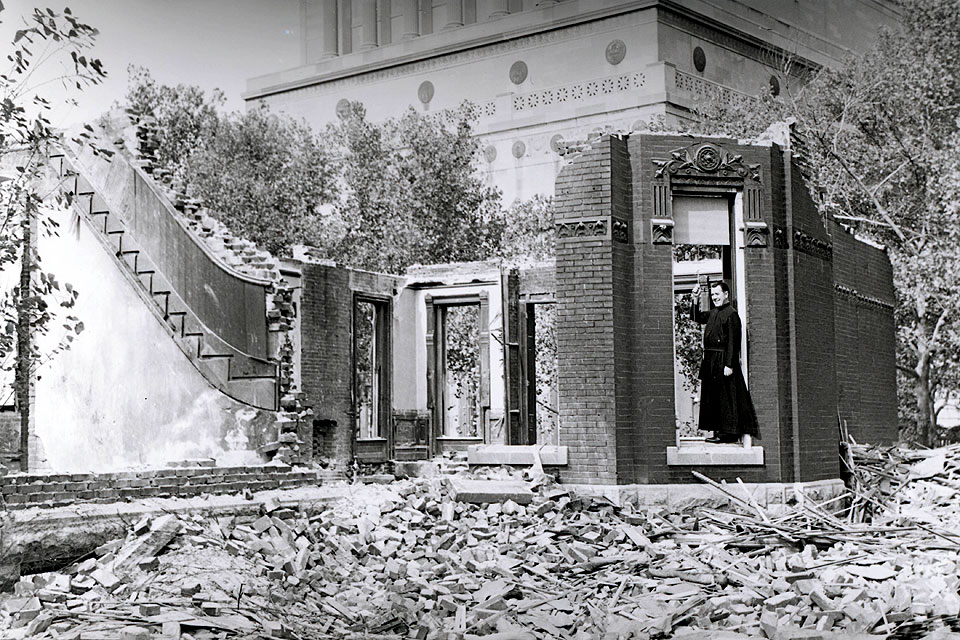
(462, 558)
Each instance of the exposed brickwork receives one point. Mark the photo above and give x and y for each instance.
(865, 339)
(615, 324)
(59, 489)
(585, 342)
(326, 356)
(539, 280)
(814, 355)
(326, 366)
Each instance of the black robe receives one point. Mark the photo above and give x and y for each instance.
(725, 405)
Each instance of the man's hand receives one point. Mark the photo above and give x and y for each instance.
(696, 290)
(727, 371)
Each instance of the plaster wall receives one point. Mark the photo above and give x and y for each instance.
(124, 394)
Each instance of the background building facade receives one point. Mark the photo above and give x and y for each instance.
(545, 72)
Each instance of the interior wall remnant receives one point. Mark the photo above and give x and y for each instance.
(125, 395)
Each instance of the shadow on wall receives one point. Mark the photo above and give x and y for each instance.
(125, 395)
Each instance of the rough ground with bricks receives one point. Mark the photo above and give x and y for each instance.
(502, 556)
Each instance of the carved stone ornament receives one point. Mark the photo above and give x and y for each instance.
(661, 230)
(518, 72)
(620, 230)
(781, 240)
(806, 243)
(755, 234)
(343, 107)
(490, 153)
(616, 51)
(706, 160)
(425, 91)
(583, 228)
(519, 149)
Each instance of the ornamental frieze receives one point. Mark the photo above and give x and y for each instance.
(806, 243)
(603, 228)
(849, 292)
(707, 160)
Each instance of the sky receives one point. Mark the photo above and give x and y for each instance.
(208, 43)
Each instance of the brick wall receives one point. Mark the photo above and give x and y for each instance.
(326, 367)
(539, 280)
(585, 341)
(19, 491)
(812, 296)
(326, 360)
(615, 323)
(865, 338)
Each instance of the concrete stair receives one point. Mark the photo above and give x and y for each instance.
(245, 378)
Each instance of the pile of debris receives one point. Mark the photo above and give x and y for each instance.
(461, 558)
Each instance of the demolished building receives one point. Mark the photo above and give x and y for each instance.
(202, 347)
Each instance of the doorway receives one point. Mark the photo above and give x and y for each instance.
(458, 363)
(371, 378)
(708, 247)
(541, 397)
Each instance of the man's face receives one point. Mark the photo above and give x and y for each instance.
(719, 296)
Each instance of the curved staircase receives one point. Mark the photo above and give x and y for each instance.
(221, 329)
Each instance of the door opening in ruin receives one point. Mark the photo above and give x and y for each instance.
(541, 399)
(371, 378)
(458, 345)
(708, 247)
(459, 360)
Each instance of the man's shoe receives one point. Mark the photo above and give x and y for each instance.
(713, 440)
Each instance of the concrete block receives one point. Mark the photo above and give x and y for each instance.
(494, 454)
(485, 491)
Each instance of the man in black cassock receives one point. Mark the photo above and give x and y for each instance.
(725, 405)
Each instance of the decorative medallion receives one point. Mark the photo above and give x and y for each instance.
(707, 158)
(616, 51)
(556, 143)
(774, 86)
(343, 107)
(490, 153)
(699, 59)
(518, 149)
(425, 92)
(640, 125)
(518, 72)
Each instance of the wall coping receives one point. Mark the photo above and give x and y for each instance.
(493, 454)
(702, 454)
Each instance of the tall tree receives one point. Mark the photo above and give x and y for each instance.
(879, 146)
(27, 139)
(412, 191)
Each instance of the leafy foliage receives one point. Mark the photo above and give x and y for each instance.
(264, 176)
(879, 146)
(412, 193)
(528, 231)
(27, 139)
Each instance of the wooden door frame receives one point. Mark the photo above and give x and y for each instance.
(375, 449)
